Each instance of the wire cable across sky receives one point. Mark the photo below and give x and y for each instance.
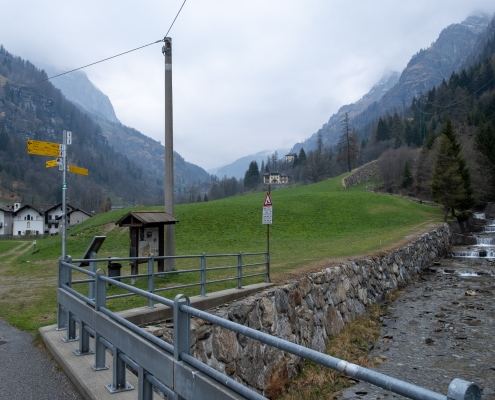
(115, 56)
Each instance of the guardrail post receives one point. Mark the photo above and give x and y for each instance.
(145, 388)
(151, 279)
(119, 384)
(239, 270)
(92, 268)
(71, 329)
(182, 342)
(100, 351)
(61, 313)
(83, 342)
(71, 323)
(203, 274)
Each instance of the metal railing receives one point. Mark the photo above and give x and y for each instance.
(240, 267)
(170, 367)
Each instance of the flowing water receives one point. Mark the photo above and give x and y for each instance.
(442, 325)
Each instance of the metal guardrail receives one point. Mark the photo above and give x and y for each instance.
(170, 368)
(240, 266)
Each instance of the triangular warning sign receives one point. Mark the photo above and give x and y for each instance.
(268, 200)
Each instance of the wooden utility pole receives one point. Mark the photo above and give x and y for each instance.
(169, 153)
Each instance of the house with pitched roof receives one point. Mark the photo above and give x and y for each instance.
(42, 219)
(6, 219)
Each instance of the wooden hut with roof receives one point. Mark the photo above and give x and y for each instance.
(147, 234)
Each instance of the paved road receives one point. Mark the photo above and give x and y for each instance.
(439, 329)
(27, 372)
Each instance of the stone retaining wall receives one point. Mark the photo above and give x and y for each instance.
(361, 174)
(306, 311)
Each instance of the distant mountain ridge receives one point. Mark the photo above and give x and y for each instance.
(426, 69)
(77, 88)
(141, 149)
(239, 167)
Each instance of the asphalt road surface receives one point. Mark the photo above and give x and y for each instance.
(28, 372)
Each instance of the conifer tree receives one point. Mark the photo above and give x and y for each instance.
(252, 175)
(451, 182)
(302, 156)
(485, 144)
(407, 177)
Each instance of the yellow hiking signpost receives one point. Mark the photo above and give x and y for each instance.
(60, 151)
(51, 163)
(43, 148)
(78, 170)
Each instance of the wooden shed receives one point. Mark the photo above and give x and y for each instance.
(146, 232)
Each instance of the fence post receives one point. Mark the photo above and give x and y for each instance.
(151, 279)
(92, 268)
(239, 270)
(61, 313)
(203, 274)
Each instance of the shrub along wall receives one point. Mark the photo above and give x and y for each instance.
(307, 311)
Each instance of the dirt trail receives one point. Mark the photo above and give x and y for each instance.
(17, 250)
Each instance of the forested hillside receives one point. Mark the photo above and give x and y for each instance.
(30, 110)
(467, 99)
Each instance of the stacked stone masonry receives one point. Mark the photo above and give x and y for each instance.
(306, 311)
(361, 174)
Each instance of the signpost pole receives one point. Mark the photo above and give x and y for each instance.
(268, 242)
(64, 196)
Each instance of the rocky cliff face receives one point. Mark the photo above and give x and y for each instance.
(142, 150)
(425, 70)
(83, 93)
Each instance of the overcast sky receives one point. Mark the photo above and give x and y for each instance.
(247, 75)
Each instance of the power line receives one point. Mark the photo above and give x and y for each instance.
(115, 56)
(175, 18)
(96, 62)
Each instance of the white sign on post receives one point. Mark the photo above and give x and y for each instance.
(267, 210)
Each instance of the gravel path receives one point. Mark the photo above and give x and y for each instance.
(439, 329)
(27, 372)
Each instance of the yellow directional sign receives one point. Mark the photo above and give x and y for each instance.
(51, 163)
(78, 170)
(43, 148)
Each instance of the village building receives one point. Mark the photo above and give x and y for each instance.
(24, 220)
(290, 158)
(6, 220)
(276, 178)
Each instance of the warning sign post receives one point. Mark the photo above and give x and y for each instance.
(266, 219)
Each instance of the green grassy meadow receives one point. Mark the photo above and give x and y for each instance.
(311, 223)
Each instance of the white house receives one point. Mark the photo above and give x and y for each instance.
(27, 220)
(53, 215)
(39, 219)
(6, 220)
